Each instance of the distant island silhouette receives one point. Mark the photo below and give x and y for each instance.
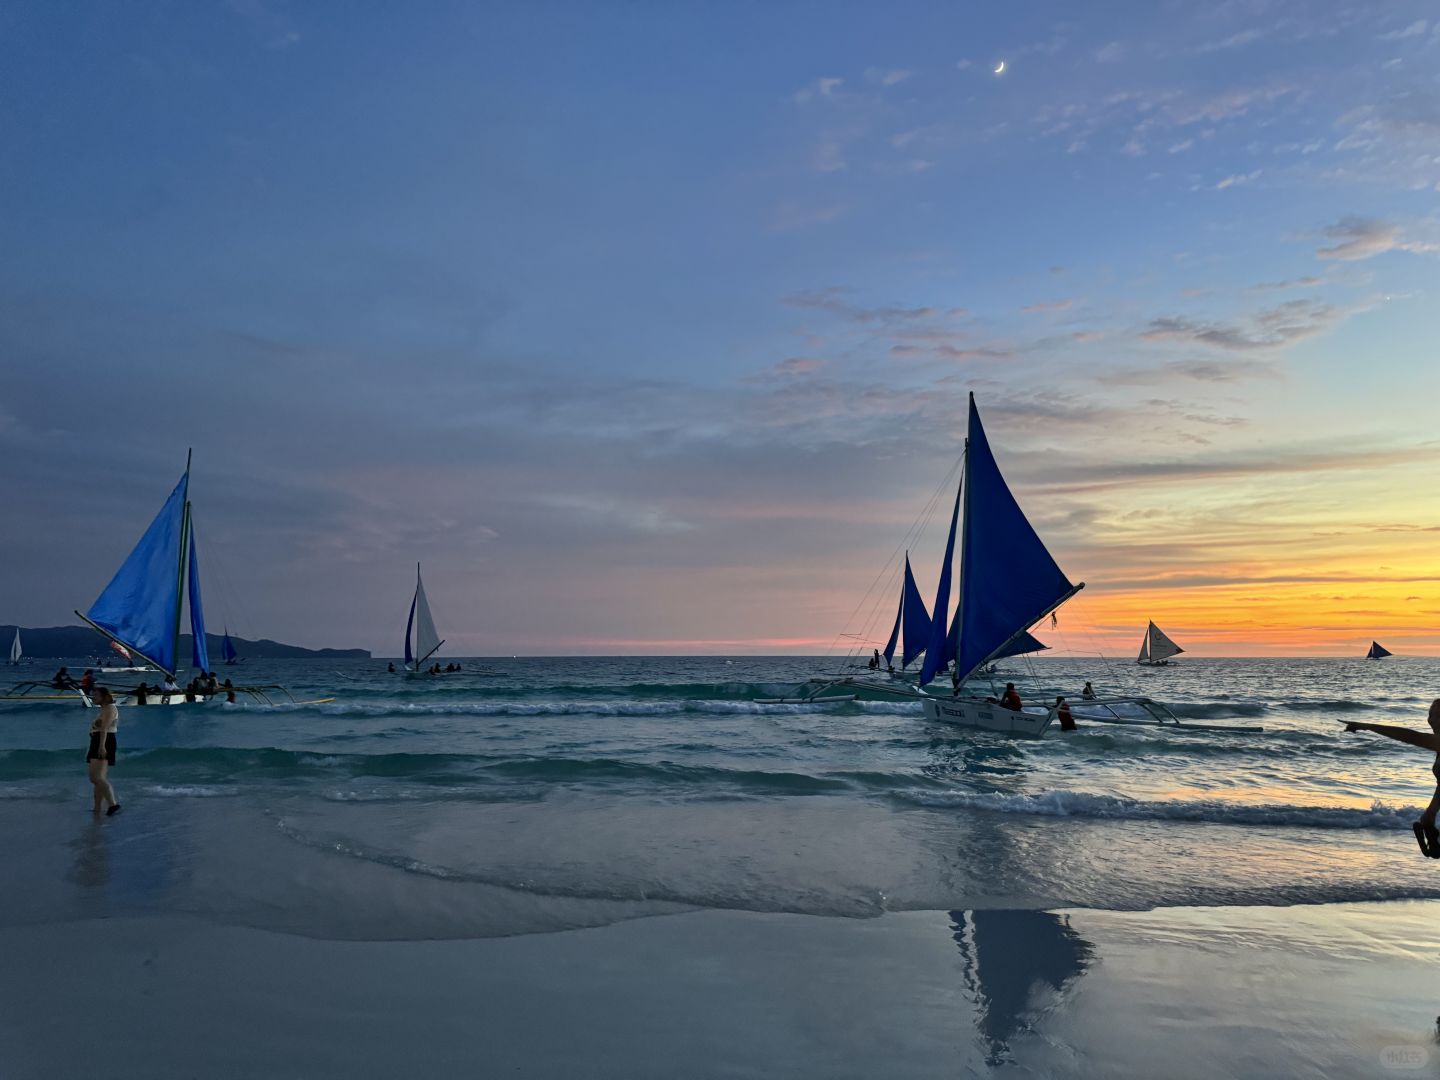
(65, 642)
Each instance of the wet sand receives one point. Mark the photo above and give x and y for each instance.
(1336, 991)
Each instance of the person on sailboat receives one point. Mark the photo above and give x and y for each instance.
(87, 681)
(141, 694)
(1011, 698)
(1425, 832)
(875, 660)
(101, 754)
(62, 680)
(1064, 715)
(1088, 694)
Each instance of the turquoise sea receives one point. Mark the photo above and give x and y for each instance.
(540, 793)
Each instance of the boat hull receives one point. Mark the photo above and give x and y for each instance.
(873, 688)
(987, 716)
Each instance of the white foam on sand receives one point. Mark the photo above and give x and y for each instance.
(1339, 990)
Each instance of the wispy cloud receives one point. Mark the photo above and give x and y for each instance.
(1045, 306)
(1239, 179)
(835, 299)
(1416, 29)
(1234, 41)
(820, 88)
(1274, 328)
(1111, 53)
(1358, 238)
(887, 76)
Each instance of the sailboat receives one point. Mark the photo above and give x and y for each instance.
(420, 628)
(140, 609)
(228, 655)
(15, 651)
(1377, 651)
(1008, 583)
(913, 619)
(1156, 649)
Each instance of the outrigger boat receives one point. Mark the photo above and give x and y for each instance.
(1008, 583)
(140, 611)
(420, 628)
(1156, 649)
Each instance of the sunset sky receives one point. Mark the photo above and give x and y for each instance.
(649, 327)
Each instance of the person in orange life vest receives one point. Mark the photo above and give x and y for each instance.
(1011, 698)
(1062, 713)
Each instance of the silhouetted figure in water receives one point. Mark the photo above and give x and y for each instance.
(1088, 694)
(1425, 832)
(1063, 714)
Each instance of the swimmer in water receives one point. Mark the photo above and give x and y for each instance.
(1425, 831)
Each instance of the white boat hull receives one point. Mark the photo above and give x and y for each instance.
(975, 713)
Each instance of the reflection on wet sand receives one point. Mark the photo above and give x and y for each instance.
(92, 858)
(1013, 961)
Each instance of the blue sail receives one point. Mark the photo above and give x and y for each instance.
(140, 608)
(200, 652)
(409, 626)
(1025, 643)
(917, 619)
(1008, 580)
(227, 647)
(935, 650)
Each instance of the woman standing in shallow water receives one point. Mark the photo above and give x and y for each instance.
(101, 754)
(1425, 831)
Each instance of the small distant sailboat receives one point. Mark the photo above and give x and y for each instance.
(1156, 649)
(15, 651)
(124, 654)
(227, 649)
(1377, 651)
(420, 629)
(913, 619)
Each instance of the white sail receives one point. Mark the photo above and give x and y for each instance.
(1161, 647)
(426, 639)
(1144, 648)
(15, 652)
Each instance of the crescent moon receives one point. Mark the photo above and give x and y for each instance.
(1000, 68)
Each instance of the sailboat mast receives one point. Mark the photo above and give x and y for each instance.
(180, 561)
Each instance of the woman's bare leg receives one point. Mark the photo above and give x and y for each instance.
(1428, 817)
(100, 777)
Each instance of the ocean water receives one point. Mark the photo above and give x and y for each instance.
(541, 793)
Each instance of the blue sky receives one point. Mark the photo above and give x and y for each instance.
(649, 327)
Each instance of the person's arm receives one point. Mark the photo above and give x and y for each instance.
(1427, 740)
